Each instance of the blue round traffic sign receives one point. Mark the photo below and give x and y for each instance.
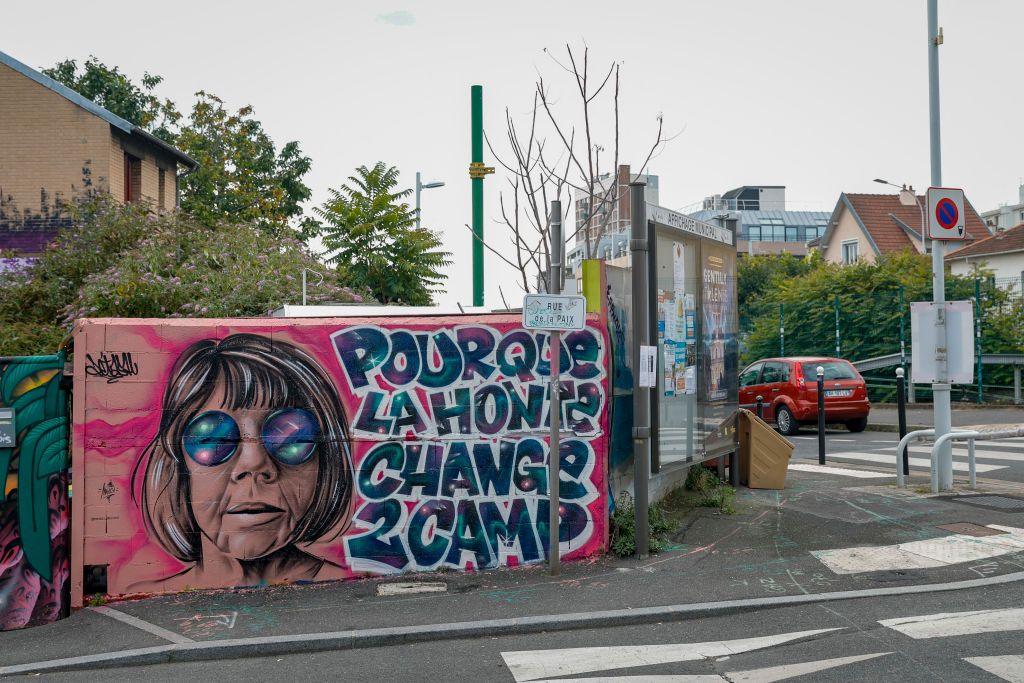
(946, 213)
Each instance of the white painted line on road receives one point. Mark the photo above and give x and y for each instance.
(936, 552)
(781, 673)
(768, 674)
(1007, 667)
(536, 665)
(840, 471)
(142, 624)
(979, 454)
(947, 624)
(890, 458)
(843, 440)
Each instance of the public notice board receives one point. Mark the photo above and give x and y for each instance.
(556, 312)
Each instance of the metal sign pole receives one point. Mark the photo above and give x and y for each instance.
(638, 245)
(940, 389)
(555, 349)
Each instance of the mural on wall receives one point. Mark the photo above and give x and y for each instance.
(34, 510)
(237, 452)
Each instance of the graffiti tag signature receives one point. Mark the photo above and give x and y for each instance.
(112, 367)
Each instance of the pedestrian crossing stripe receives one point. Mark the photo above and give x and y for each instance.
(925, 463)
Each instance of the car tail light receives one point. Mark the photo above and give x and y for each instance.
(799, 375)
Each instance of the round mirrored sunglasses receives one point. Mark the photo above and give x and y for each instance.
(289, 435)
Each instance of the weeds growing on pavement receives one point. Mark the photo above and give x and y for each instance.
(715, 494)
(623, 527)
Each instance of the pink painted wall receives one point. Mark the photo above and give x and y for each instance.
(218, 453)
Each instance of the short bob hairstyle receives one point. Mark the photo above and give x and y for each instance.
(254, 372)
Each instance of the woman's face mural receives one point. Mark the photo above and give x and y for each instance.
(253, 472)
(251, 461)
(317, 449)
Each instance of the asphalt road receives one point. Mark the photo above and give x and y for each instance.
(838, 641)
(1003, 459)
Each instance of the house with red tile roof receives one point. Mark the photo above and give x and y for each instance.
(865, 226)
(1002, 254)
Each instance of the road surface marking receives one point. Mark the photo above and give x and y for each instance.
(841, 471)
(781, 673)
(947, 624)
(979, 454)
(765, 675)
(936, 552)
(1006, 667)
(925, 463)
(536, 665)
(142, 624)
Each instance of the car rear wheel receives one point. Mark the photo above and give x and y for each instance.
(785, 422)
(858, 425)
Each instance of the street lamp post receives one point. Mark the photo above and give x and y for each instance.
(423, 186)
(908, 197)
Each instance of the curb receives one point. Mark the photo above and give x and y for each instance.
(380, 637)
(880, 427)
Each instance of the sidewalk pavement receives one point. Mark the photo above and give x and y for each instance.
(884, 417)
(762, 551)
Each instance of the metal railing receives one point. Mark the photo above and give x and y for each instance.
(970, 435)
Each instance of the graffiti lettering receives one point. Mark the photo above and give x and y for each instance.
(467, 484)
(112, 367)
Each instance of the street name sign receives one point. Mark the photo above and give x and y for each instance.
(947, 217)
(555, 312)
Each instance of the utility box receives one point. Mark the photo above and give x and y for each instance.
(764, 453)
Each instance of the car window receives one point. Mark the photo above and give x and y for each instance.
(834, 369)
(749, 376)
(773, 372)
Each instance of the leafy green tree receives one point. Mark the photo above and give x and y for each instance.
(117, 260)
(759, 276)
(112, 90)
(242, 176)
(371, 237)
(869, 305)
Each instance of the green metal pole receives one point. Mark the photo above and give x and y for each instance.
(477, 126)
(977, 334)
(837, 326)
(782, 329)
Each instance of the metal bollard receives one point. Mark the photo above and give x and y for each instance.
(821, 415)
(901, 411)
(760, 407)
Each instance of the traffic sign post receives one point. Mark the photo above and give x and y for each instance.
(556, 313)
(947, 218)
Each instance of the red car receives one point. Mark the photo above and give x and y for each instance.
(789, 389)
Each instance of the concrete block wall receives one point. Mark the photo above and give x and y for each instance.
(237, 452)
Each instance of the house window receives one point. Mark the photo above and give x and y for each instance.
(850, 252)
(132, 178)
(161, 188)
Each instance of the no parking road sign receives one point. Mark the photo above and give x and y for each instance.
(946, 215)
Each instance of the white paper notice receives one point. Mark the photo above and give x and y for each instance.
(691, 380)
(648, 370)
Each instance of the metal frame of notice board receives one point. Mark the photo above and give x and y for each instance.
(710, 265)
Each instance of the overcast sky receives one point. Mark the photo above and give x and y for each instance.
(817, 95)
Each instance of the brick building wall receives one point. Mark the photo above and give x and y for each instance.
(50, 151)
